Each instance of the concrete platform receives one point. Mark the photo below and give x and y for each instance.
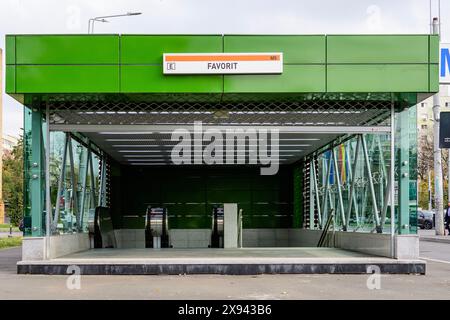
(243, 261)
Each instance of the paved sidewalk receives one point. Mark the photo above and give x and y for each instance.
(434, 285)
(430, 236)
(14, 234)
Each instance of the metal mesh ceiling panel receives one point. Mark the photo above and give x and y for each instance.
(153, 148)
(300, 113)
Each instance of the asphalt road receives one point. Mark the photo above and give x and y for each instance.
(434, 285)
(434, 251)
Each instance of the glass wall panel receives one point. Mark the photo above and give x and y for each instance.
(79, 189)
(367, 168)
(34, 173)
(346, 163)
(27, 141)
(413, 143)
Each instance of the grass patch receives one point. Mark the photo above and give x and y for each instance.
(4, 227)
(14, 229)
(10, 242)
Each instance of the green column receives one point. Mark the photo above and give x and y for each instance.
(402, 148)
(34, 173)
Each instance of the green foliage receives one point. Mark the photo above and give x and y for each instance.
(13, 183)
(10, 242)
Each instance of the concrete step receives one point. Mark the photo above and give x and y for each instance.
(244, 261)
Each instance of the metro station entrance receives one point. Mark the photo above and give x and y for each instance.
(250, 173)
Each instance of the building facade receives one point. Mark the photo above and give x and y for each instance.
(9, 142)
(101, 113)
(425, 113)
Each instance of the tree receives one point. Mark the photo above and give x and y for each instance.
(425, 157)
(13, 183)
(425, 167)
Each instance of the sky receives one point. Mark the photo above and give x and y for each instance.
(214, 17)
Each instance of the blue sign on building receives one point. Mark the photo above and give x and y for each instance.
(444, 72)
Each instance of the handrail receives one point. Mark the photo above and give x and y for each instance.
(240, 228)
(325, 229)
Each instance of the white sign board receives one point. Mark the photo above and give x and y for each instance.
(223, 63)
(444, 63)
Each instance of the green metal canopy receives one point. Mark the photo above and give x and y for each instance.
(129, 67)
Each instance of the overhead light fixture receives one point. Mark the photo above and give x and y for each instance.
(137, 146)
(299, 139)
(125, 132)
(146, 160)
(142, 156)
(149, 164)
(143, 151)
(172, 145)
(129, 140)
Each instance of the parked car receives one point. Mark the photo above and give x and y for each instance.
(425, 219)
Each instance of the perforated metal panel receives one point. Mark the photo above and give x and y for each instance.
(129, 147)
(292, 113)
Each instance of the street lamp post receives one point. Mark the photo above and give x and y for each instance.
(103, 19)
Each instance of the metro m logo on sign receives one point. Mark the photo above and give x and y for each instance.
(444, 63)
(223, 63)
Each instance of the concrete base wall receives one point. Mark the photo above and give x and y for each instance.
(130, 238)
(34, 248)
(265, 238)
(371, 243)
(405, 246)
(68, 243)
(306, 238)
(280, 238)
(190, 238)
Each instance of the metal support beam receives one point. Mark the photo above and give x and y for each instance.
(83, 175)
(383, 177)
(330, 198)
(60, 184)
(316, 192)
(339, 189)
(93, 191)
(392, 178)
(382, 162)
(312, 192)
(325, 193)
(48, 201)
(403, 169)
(371, 186)
(387, 198)
(36, 167)
(74, 185)
(352, 177)
(102, 195)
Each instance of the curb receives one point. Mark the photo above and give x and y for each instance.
(413, 267)
(439, 240)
